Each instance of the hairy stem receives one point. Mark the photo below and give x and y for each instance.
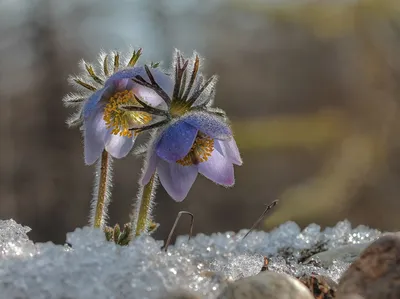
(142, 216)
(102, 190)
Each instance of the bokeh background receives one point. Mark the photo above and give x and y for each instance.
(312, 89)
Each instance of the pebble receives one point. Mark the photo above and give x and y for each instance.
(320, 286)
(353, 296)
(266, 285)
(376, 273)
(347, 254)
(180, 294)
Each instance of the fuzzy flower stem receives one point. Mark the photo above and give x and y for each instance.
(144, 206)
(102, 189)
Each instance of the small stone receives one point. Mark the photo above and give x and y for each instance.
(353, 296)
(180, 294)
(266, 285)
(320, 286)
(346, 253)
(376, 273)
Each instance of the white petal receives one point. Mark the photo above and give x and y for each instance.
(118, 146)
(176, 179)
(230, 150)
(94, 133)
(218, 168)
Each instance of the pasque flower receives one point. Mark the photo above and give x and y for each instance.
(104, 124)
(193, 137)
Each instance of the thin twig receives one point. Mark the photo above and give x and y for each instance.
(268, 208)
(174, 227)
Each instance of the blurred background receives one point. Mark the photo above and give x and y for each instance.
(312, 89)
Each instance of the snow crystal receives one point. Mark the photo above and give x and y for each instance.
(14, 241)
(91, 267)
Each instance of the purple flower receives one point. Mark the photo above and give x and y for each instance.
(193, 137)
(105, 125)
(196, 143)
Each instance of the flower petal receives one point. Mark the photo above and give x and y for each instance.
(209, 124)
(119, 80)
(218, 169)
(118, 146)
(127, 73)
(92, 103)
(230, 150)
(163, 80)
(176, 179)
(149, 168)
(176, 141)
(94, 131)
(122, 84)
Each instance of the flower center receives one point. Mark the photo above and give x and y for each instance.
(119, 120)
(201, 150)
(178, 108)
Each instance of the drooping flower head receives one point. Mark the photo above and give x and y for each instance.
(192, 137)
(101, 93)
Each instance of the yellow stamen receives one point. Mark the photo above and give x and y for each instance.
(201, 150)
(119, 120)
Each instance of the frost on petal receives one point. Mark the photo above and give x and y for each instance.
(230, 150)
(176, 141)
(149, 168)
(94, 131)
(218, 169)
(176, 179)
(92, 102)
(209, 124)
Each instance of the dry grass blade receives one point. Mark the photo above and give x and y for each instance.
(171, 233)
(268, 208)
